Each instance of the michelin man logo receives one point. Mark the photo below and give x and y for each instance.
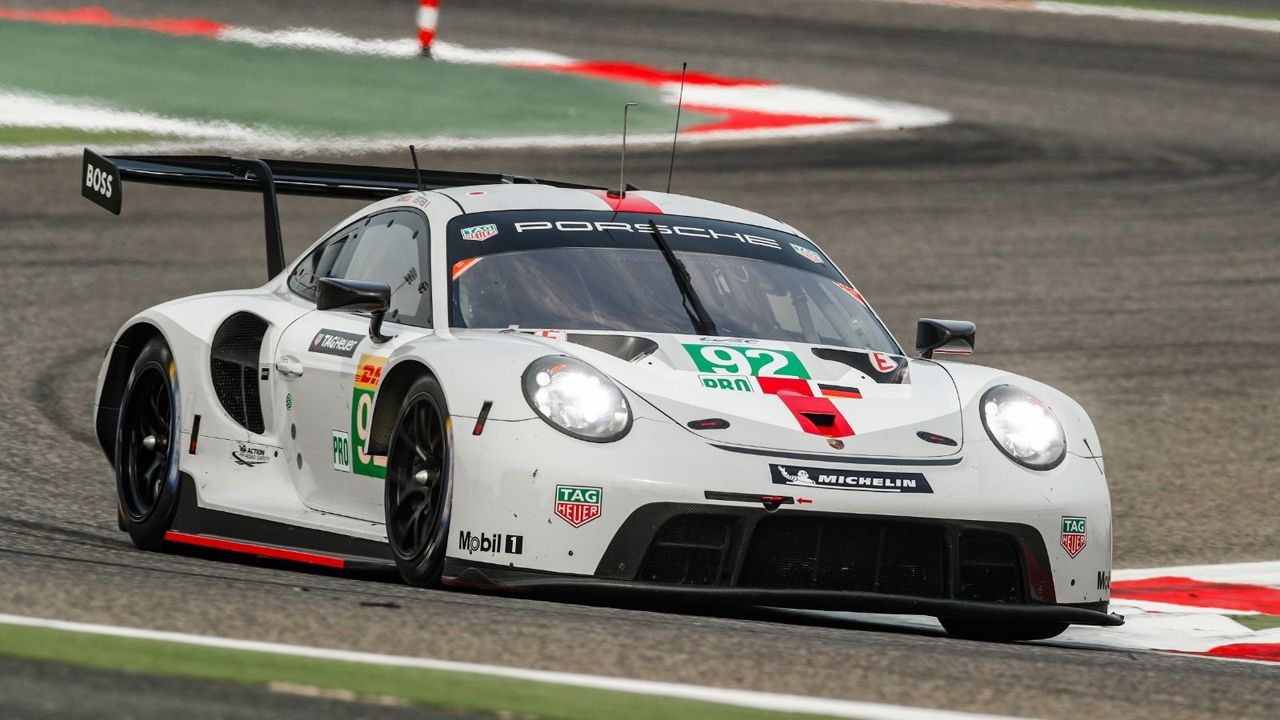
(800, 478)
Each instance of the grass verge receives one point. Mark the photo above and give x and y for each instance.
(314, 92)
(31, 136)
(432, 688)
(1258, 622)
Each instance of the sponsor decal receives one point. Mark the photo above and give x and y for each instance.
(852, 291)
(734, 341)
(578, 505)
(288, 401)
(738, 383)
(368, 374)
(421, 201)
(548, 334)
(480, 233)
(99, 181)
(807, 254)
(1074, 536)
(864, 480)
(490, 543)
(463, 265)
(332, 342)
(731, 360)
(684, 230)
(1104, 579)
(249, 455)
(266, 374)
(341, 451)
(883, 362)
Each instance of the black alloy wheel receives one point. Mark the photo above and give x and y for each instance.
(418, 485)
(146, 447)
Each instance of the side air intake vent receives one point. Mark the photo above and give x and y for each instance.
(233, 363)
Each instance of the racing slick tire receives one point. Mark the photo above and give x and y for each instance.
(419, 483)
(148, 434)
(1001, 632)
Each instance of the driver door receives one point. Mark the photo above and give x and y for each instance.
(328, 368)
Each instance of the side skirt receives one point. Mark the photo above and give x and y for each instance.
(227, 532)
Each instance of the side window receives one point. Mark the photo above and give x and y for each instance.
(391, 248)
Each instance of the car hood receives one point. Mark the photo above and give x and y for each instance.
(781, 396)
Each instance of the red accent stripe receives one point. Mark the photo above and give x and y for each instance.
(618, 71)
(629, 202)
(740, 120)
(796, 394)
(101, 17)
(1270, 652)
(252, 549)
(1194, 593)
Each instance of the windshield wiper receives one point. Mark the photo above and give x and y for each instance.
(692, 305)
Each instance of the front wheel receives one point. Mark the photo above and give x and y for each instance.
(1001, 631)
(147, 439)
(419, 484)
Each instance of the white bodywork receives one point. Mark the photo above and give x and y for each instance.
(505, 479)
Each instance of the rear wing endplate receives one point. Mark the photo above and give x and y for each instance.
(102, 181)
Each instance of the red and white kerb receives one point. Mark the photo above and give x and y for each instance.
(428, 17)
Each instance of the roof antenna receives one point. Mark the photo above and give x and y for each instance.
(417, 171)
(621, 192)
(684, 68)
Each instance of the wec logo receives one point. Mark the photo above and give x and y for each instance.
(100, 181)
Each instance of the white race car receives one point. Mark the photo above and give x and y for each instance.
(507, 383)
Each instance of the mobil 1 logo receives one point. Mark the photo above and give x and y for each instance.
(100, 181)
(507, 544)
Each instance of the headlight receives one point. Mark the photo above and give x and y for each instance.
(576, 399)
(1022, 427)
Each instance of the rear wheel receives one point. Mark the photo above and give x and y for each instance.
(147, 439)
(418, 486)
(1001, 631)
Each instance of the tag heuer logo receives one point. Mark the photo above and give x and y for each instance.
(578, 505)
(480, 233)
(1073, 535)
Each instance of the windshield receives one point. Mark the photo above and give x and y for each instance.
(610, 275)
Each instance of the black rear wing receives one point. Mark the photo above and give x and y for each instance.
(102, 182)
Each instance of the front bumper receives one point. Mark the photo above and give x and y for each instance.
(505, 498)
(490, 577)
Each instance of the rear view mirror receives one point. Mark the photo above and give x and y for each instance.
(357, 296)
(944, 337)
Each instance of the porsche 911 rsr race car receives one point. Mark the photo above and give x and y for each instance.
(507, 383)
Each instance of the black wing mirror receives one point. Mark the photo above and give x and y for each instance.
(357, 296)
(945, 337)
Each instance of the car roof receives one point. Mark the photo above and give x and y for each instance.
(486, 198)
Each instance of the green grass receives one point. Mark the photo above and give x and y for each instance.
(27, 136)
(1258, 622)
(1189, 7)
(312, 92)
(461, 691)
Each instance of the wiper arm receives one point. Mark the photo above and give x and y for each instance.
(692, 305)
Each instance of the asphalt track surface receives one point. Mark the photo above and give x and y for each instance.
(1105, 207)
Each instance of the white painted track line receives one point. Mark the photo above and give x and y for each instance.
(725, 696)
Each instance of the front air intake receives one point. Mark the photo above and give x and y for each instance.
(233, 366)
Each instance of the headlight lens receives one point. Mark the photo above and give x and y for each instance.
(1022, 427)
(576, 399)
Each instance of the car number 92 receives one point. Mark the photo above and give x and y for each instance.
(732, 360)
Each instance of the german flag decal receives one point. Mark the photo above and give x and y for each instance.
(840, 391)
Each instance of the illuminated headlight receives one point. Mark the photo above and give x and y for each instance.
(576, 399)
(1022, 427)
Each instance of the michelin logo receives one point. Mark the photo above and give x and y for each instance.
(863, 480)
